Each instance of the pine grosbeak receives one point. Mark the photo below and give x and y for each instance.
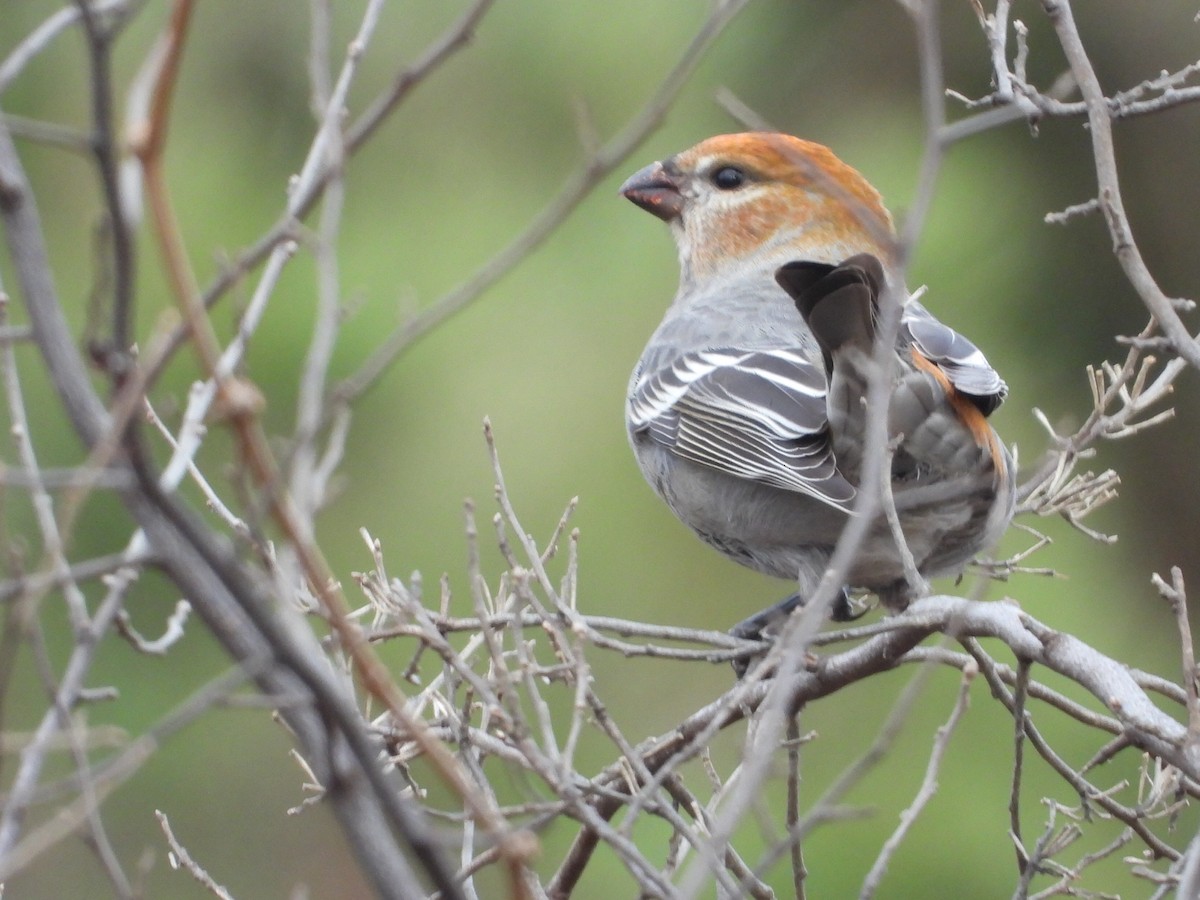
(746, 409)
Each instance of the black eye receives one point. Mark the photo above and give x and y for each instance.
(728, 178)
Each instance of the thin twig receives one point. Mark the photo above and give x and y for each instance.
(241, 404)
(927, 789)
(1176, 594)
(37, 40)
(593, 169)
(792, 811)
(1108, 183)
(116, 771)
(181, 858)
(1020, 692)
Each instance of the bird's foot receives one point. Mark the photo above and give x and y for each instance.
(765, 625)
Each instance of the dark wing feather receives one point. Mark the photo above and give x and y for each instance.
(963, 362)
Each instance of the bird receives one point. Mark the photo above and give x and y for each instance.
(747, 409)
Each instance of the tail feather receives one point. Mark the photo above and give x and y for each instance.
(839, 305)
(943, 430)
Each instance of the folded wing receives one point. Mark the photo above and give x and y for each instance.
(754, 414)
(963, 363)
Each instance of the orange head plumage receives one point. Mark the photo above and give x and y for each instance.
(761, 198)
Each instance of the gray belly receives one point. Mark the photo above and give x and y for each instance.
(790, 535)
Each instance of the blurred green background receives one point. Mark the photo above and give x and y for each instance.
(450, 179)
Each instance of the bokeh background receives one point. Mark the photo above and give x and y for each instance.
(467, 161)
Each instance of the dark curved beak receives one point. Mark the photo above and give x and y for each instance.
(654, 190)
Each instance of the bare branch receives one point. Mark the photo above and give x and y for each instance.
(926, 791)
(496, 683)
(1108, 184)
(604, 160)
(180, 858)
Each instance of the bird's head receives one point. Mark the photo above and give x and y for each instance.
(755, 201)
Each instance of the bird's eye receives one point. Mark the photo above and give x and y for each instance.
(728, 178)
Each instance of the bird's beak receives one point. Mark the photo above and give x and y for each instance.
(654, 190)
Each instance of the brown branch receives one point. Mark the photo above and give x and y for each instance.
(307, 191)
(227, 596)
(241, 404)
(148, 144)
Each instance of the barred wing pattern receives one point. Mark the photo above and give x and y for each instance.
(962, 362)
(754, 414)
